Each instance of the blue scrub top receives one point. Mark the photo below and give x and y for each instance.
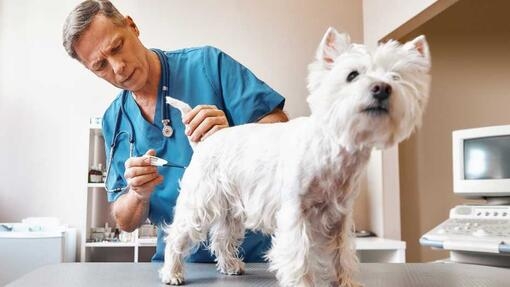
(203, 75)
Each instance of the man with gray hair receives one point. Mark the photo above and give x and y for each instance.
(138, 124)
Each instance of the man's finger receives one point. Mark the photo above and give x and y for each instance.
(151, 184)
(213, 130)
(137, 171)
(140, 161)
(141, 180)
(146, 189)
(202, 116)
(155, 182)
(205, 126)
(186, 119)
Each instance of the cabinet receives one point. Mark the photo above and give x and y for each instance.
(137, 246)
(374, 250)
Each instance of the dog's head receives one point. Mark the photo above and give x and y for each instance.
(369, 98)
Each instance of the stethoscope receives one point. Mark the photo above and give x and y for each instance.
(167, 130)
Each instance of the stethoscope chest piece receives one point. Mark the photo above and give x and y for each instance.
(167, 129)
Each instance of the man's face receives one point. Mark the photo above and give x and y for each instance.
(114, 53)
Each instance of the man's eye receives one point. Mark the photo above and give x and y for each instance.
(101, 65)
(352, 75)
(116, 48)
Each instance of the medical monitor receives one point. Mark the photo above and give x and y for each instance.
(481, 162)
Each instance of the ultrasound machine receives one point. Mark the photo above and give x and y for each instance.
(478, 234)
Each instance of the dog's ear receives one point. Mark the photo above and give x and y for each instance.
(332, 45)
(420, 45)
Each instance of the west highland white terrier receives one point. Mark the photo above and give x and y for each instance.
(298, 180)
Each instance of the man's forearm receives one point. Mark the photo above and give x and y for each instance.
(130, 211)
(274, 117)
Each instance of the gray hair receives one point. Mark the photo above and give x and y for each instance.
(80, 18)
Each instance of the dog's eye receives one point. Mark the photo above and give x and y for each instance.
(395, 77)
(352, 75)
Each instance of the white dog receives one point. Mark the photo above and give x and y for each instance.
(298, 180)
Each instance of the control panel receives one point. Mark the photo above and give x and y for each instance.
(473, 228)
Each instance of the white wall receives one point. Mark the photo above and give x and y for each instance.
(45, 102)
(276, 39)
(381, 17)
(46, 98)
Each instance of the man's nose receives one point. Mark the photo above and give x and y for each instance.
(380, 91)
(118, 65)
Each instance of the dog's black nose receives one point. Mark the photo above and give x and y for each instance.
(380, 91)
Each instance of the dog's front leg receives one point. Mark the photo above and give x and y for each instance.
(345, 260)
(289, 254)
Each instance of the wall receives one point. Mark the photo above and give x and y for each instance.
(379, 19)
(470, 44)
(46, 98)
(276, 39)
(394, 17)
(383, 20)
(45, 102)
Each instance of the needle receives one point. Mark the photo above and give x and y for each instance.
(156, 161)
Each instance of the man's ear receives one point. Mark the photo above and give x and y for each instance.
(131, 24)
(332, 45)
(420, 45)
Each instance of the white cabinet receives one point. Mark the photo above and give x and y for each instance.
(133, 248)
(374, 249)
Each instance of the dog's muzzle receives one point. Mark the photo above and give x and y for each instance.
(381, 93)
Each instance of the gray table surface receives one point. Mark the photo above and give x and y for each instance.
(371, 274)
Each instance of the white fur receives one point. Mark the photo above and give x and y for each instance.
(298, 180)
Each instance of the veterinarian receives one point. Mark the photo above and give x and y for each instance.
(138, 123)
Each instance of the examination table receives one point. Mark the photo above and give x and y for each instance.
(371, 275)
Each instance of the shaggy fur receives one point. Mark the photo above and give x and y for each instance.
(298, 180)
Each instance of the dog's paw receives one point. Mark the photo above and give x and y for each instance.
(171, 278)
(233, 268)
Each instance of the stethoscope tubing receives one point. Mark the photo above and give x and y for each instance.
(165, 72)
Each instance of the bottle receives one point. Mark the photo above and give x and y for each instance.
(95, 176)
(116, 234)
(103, 172)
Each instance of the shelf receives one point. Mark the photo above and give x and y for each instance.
(377, 243)
(110, 244)
(149, 241)
(143, 242)
(375, 249)
(95, 123)
(96, 185)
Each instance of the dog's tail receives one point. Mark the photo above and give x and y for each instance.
(184, 109)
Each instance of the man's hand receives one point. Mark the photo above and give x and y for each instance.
(141, 176)
(203, 121)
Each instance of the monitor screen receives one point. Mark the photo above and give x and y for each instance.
(487, 158)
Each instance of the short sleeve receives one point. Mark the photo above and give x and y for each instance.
(115, 182)
(246, 98)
